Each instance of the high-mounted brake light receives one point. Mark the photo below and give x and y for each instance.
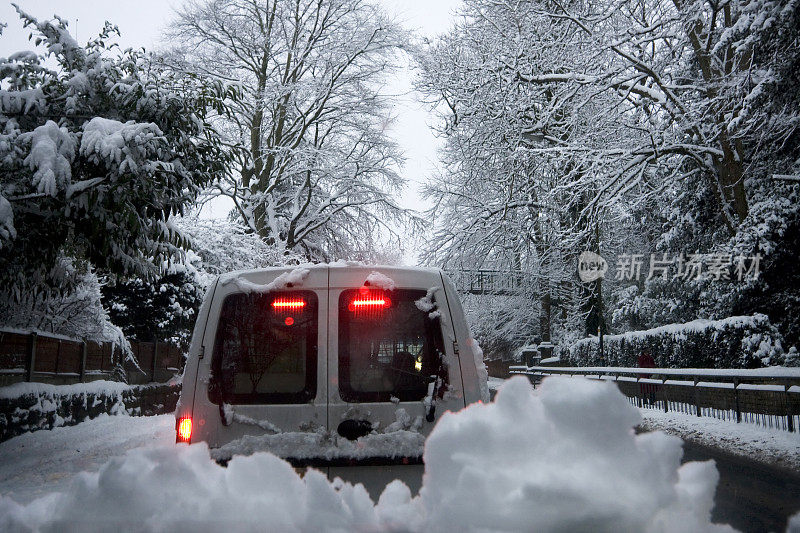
(369, 304)
(184, 428)
(288, 304)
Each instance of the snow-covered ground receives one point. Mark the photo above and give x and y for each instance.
(764, 444)
(560, 458)
(494, 383)
(37, 463)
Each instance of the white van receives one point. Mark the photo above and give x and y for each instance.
(331, 366)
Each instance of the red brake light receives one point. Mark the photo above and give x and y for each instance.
(288, 304)
(184, 428)
(367, 303)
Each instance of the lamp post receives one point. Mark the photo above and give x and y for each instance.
(600, 319)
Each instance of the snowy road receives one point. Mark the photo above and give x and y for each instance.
(37, 463)
(751, 496)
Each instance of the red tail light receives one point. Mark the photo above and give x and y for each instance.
(184, 429)
(288, 304)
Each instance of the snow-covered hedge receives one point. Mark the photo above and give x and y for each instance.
(28, 407)
(734, 342)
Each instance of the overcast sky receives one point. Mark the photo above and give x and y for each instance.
(142, 21)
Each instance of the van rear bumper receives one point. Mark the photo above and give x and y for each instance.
(346, 462)
(375, 478)
(374, 473)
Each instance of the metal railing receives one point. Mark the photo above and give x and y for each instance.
(488, 281)
(767, 397)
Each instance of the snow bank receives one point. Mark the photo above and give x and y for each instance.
(771, 445)
(27, 407)
(36, 464)
(561, 458)
(109, 388)
(16, 390)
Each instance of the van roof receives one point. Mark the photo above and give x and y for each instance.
(352, 266)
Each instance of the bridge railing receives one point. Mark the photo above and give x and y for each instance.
(767, 397)
(488, 281)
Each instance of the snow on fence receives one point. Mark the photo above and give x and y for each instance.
(769, 397)
(734, 342)
(51, 358)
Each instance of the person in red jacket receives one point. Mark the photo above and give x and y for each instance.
(648, 389)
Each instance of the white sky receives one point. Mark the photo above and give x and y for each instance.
(141, 23)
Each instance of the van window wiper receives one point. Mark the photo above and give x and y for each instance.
(434, 384)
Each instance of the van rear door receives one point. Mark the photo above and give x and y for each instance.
(267, 356)
(388, 353)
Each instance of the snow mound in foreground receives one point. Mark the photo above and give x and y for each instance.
(562, 458)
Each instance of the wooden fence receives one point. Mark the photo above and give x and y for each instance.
(767, 397)
(57, 359)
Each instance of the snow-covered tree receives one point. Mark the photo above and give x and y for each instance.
(636, 127)
(78, 313)
(219, 246)
(505, 200)
(686, 70)
(96, 155)
(164, 310)
(315, 169)
(742, 79)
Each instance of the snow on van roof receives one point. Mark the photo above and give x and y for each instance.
(288, 278)
(382, 281)
(385, 269)
(228, 277)
(379, 275)
(353, 265)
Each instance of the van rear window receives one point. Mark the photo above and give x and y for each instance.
(266, 349)
(388, 347)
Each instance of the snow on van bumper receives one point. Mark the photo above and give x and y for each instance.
(322, 449)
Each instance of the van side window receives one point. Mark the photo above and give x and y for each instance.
(265, 349)
(387, 346)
